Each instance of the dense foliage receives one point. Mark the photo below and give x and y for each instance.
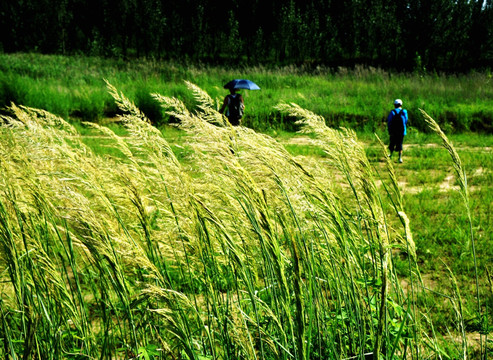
(445, 35)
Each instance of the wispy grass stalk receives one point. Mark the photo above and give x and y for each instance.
(464, 192)
(395, 197)
(349, 158)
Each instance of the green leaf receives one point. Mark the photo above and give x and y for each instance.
(148, 352)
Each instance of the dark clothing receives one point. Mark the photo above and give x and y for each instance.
(396, 141)
(234, 110)
(395, 115)
(397, 127)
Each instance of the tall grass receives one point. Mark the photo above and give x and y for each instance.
(238, 251)
(358, 98)
(464, 191)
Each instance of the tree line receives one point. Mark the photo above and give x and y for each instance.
(439, 35)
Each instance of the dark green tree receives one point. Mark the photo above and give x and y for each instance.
(443, 35)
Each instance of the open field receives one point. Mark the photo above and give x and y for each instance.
(360, 98)
(208, 241)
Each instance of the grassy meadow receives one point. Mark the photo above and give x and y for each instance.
(123, 240)
(74, 87)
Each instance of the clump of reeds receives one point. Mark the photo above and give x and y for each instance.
(348, 158)
(239, 250)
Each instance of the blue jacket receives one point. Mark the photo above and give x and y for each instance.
(395, 112)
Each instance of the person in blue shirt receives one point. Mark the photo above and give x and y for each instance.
(396, 125)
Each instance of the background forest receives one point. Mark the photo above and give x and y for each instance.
(439, 35)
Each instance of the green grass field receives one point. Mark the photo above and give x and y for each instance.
(206, 241)
(360, 98)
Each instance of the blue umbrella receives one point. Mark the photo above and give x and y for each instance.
(242, 84)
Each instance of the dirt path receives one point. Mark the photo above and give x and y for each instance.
(449, 182)
(304, 140)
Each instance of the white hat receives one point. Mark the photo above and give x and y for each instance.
(398, 102)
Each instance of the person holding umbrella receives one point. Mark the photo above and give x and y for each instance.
(234, 103)
(234, 106)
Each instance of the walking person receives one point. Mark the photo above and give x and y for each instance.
(234, 106)
(397, 127)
